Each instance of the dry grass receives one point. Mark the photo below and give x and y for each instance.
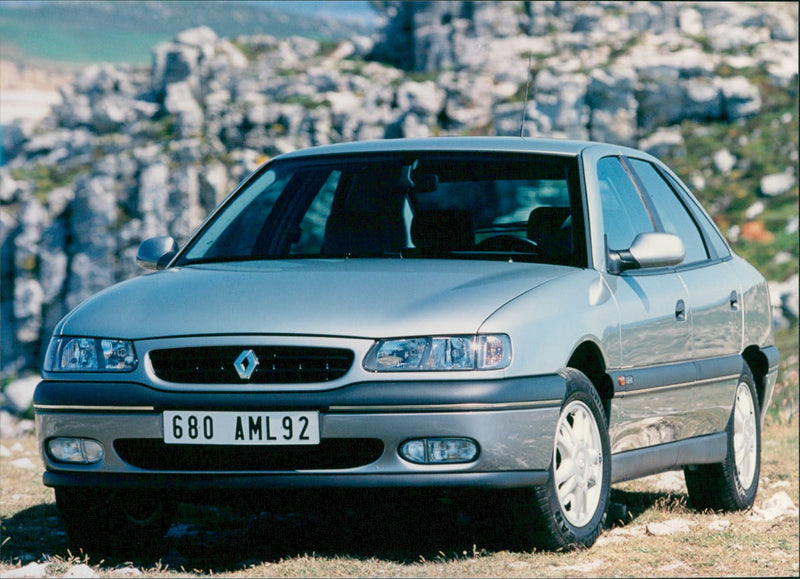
(414, 537)
(243, 543)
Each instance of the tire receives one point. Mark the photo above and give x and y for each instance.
(570, 509)
(126, 522)
(732, 484)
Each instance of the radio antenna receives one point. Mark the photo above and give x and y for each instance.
(527, 87)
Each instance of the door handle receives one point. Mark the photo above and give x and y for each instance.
(734, 301)
(680, 311)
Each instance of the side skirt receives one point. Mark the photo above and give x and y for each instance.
(646, 461)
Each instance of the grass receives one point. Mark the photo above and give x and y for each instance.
(412, 536)
(236, 542)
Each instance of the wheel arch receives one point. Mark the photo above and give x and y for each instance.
(589, 359)
(758, 363)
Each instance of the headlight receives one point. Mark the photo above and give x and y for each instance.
(68, 354)
(483, 352)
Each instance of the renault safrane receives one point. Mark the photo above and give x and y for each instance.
(539, 317)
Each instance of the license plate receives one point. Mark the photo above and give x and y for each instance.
(267, 428)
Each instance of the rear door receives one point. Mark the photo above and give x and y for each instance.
(715, 303)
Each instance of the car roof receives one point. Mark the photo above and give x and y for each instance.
(562, 147)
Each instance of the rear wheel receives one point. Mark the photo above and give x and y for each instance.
(125, 521)
(569, 511)
(731, 485)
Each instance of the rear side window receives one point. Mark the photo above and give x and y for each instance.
(674, 216)
(717, 246)
(624, 214)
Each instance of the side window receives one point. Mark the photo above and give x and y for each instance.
(624, 213)
(672, 212)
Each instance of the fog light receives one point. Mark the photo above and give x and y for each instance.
(439, 450)
(77, 450)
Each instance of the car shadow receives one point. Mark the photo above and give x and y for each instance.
(399, 527)
(32, 533)
(627, 506)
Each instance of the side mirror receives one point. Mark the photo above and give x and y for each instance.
(649, 250)
(155, 253)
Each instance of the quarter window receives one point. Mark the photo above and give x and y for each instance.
(671, 211)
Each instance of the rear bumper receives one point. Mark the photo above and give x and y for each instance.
(512, 421)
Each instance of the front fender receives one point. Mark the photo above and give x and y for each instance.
(549, 322)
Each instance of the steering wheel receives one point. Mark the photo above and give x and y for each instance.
(508, 243)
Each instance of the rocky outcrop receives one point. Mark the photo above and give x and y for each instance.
(130, 153)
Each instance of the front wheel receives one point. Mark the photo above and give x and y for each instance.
(731, 485)
(569, 511)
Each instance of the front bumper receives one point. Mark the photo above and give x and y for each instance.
(512, 421)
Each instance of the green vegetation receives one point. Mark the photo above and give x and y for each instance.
(764, 144)
(785, 402)
(46, 177)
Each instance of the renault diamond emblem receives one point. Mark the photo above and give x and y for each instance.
(246, 364)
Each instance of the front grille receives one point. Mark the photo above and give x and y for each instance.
(276, 364)
(331, 453)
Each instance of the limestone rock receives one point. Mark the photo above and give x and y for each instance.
(133, 152)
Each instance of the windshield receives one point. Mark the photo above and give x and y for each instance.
(410, 205)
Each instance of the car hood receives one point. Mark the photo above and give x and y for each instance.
(366, 298)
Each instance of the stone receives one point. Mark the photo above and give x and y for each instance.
(562, 98)
(23, 463)
(183, 212)
(784, 298)
(690, 21)
(422, 98)
(776, 507)
(741, 98)
(666, 528)
(28, 300)
(174, 63)
(126, 572)
(81, 571)
(778, 183)
(660, 103)
(781, 500)
(724, 161)
(12, 427)
(200, 36)
(754, 210)
(15, 135)
(19, 393)
(701, 100)
(662, 141)
(719, 525)
(756, 231)
(31, 570)
(179, 101)
(154, 149)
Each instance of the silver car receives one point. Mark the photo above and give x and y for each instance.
(539, 316)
